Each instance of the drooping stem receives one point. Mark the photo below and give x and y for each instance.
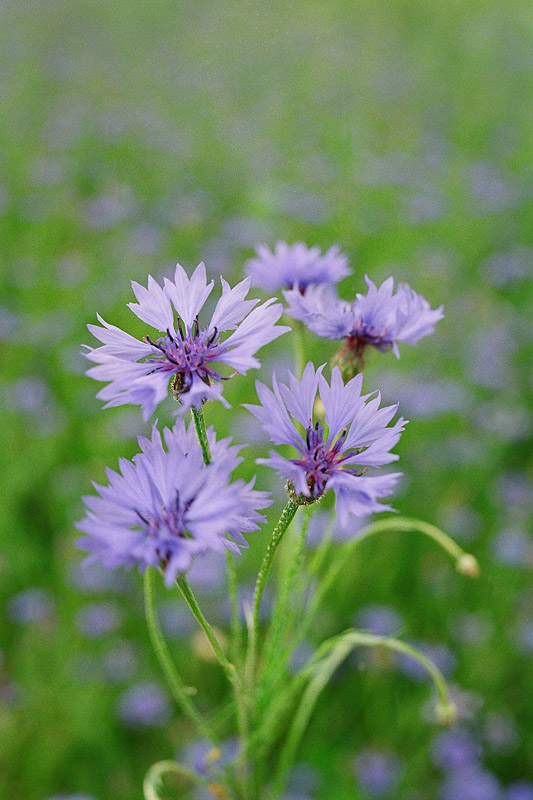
(283, 523)
(153, 778)
(339, 647)
(161, 650)
(465, 562)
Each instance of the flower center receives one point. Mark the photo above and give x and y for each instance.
(320, 462)
(364, 333)
(170, 521)
(187, 354)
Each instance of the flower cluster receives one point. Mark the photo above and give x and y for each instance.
(139, 371)
(381, 318)
(296, 266)
(336, 452)
(166, 505)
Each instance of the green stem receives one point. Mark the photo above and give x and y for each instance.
(283, 523)
(199, 425)
(201, 433)
(177, 687)
(190, 599)
(229, 668)
(287, 609)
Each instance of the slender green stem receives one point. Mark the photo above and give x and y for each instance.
(199, 425)
(201, 433)
(177, 687)
(241, 701)
(283, 523)
(289, 595)
(190, 599)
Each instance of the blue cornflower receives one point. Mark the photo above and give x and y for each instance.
(139, 371)
(336, 453)
(381, 318)
(296, 266)
(166, 506)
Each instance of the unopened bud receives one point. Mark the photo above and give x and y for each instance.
(468, 565)
(446, 713)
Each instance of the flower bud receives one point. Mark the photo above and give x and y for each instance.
(468, 565)
(446, 713)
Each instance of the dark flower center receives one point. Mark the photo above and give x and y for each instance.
(364, 333)
(321, 461)
(169, 520)
(187, 354)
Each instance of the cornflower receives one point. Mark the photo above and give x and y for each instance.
(296, 266)
(184, 353)
(333, 453)
(166, 506)
(381, 318)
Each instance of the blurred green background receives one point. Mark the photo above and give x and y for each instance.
(135, 134)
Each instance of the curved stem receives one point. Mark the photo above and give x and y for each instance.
(340, 646)
(155, 774)
(465, 562)
(177, 687)
(283, 523)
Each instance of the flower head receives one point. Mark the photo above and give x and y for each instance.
(184, 352)
(381, 318)
(333, 453)
(296, 266)
(166, 506)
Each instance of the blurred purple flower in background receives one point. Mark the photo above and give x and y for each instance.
(519, 791)
(99, 619)
(357, 437)
(500, 733)
(380, 620)
(120, 663)
(470, 782)
(377, 771)
(139, 371)
(513, 547)
(296, 266)
(455, 748)
(77, 796)
(144, 705)
(31, 605)
(167, 506)
(381, 318)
